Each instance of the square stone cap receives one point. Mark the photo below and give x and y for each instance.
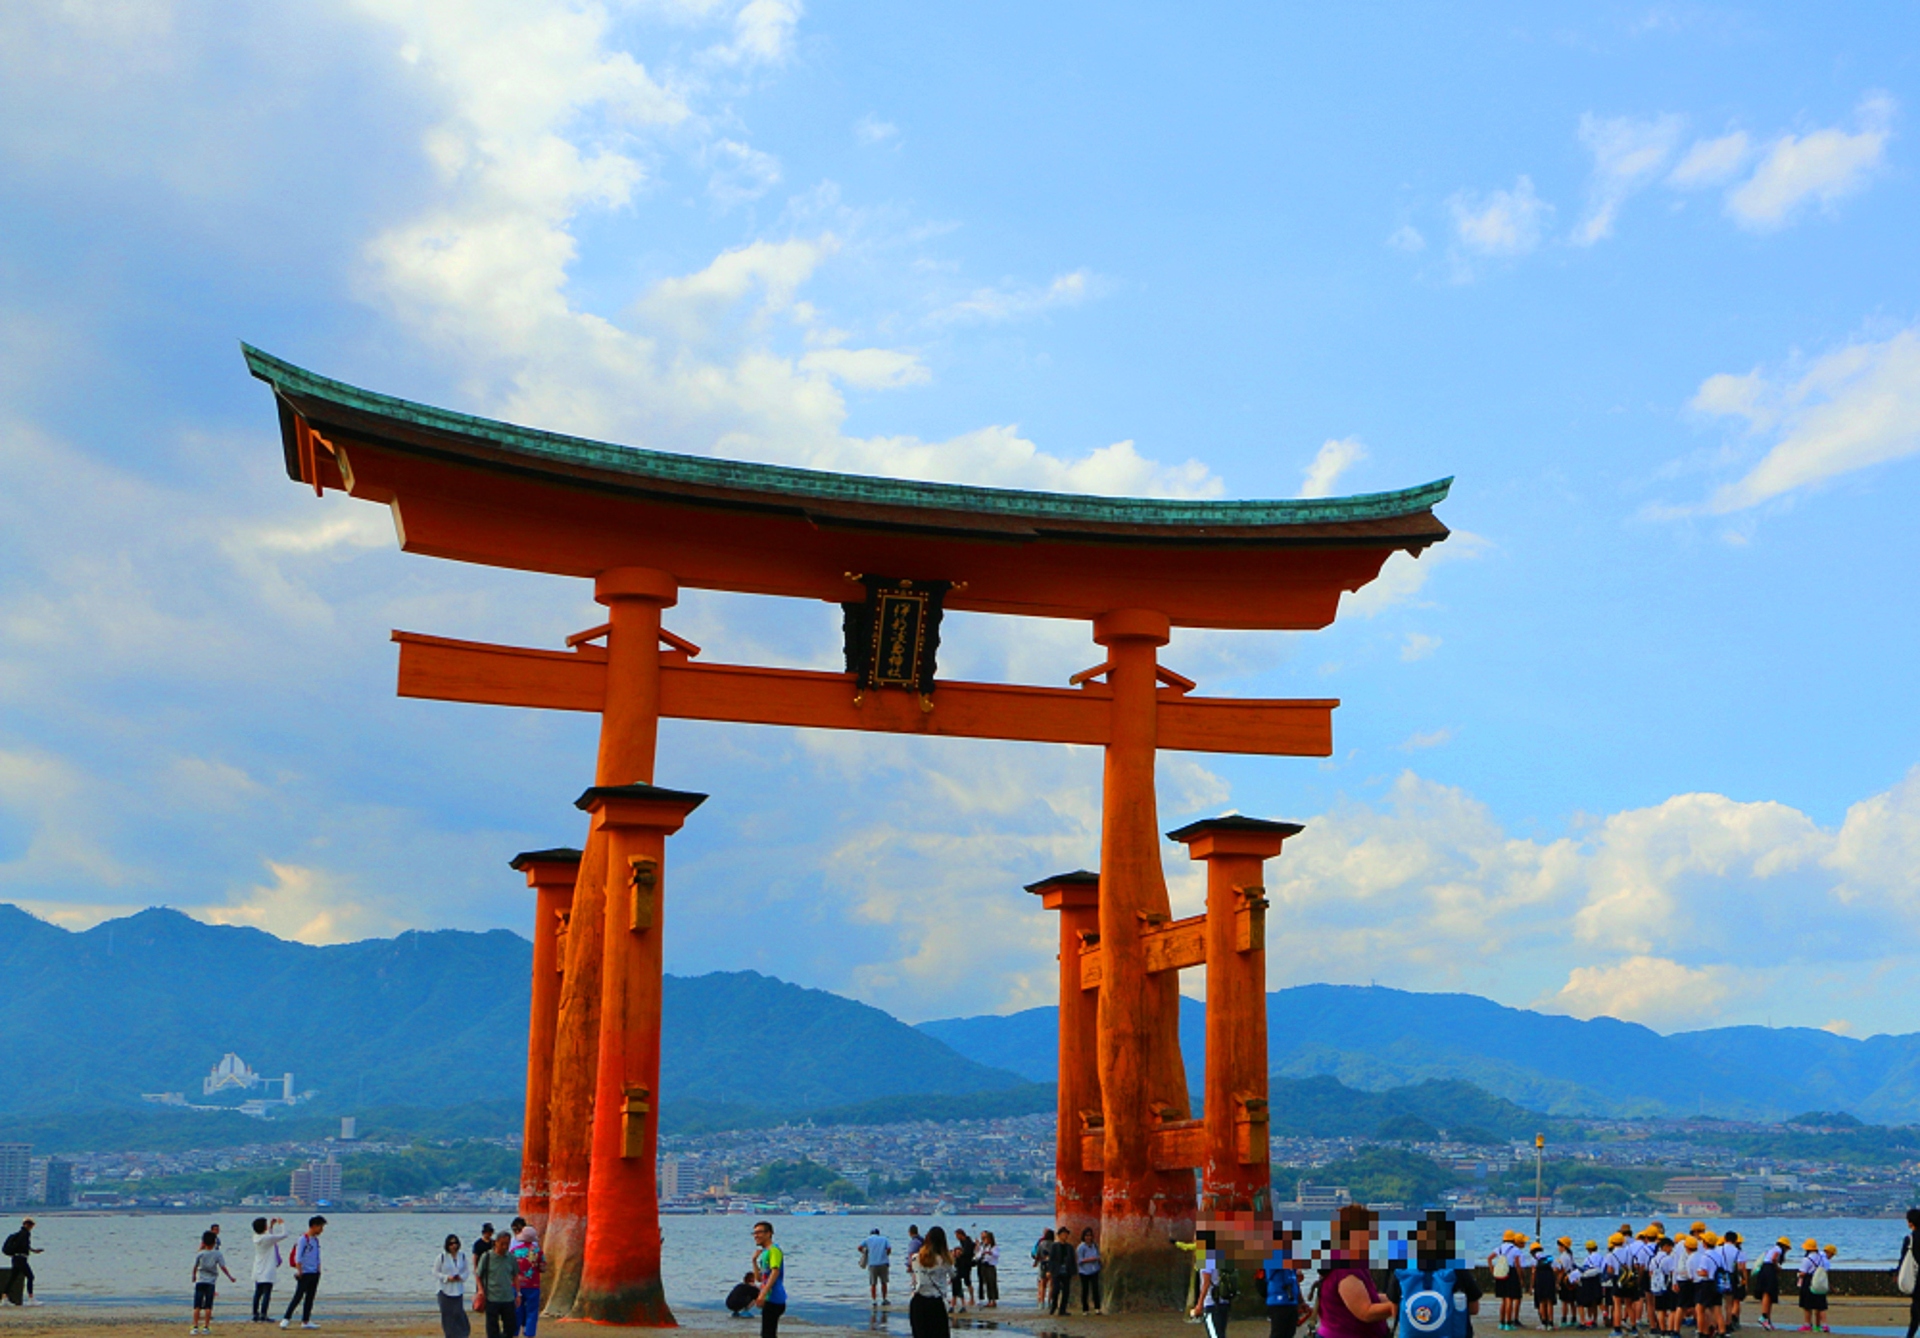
(600, 793)
(558, 855)
(1233, 822)
(1078, 878)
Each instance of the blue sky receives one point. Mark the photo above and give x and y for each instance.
(1640, 739)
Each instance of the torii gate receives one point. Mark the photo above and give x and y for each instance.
(641, 525)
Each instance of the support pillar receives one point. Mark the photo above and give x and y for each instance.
(551, 875)
(1142, 1077)
(1076, 1188)
(620, 1274)
(1237, 1175)
(629, 730)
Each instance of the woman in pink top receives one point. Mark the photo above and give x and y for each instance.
(1350, 1305)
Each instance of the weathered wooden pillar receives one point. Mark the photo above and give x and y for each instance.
(1076, 1188)
(1236, 1176)
(620, 1275)
(1142, 1078)
(551, 875)
(629, 731)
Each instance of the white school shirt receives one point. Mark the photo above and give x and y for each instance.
(1593, 1264)
(266, 1260)
(1733, 1256)
(1620, 1259)
(1815, 1259)
(1660, 1271)
(1705, 1264)
(1776, 1255)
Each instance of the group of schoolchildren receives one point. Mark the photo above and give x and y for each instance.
(1650, 1281)
(1643, 1281)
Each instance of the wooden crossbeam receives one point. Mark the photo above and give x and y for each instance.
(1166, 947)
(441, 669)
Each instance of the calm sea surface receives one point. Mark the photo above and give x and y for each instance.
(382, 1259)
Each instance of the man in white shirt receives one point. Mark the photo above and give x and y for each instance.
(876, 1253)
(267, 1236)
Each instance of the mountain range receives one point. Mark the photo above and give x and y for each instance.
(436, 1022)
(1374, 1038)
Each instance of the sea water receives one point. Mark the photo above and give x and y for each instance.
(386, 1259)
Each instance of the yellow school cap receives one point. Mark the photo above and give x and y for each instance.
(1811, 1244)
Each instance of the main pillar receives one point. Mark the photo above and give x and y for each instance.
(620, 1275)
(1142, 1078)
(551, 875)
(1237, 1176)
(629, 730)
(1076, 1189)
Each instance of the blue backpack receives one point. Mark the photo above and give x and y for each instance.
(1283, 1285)
(1427, 1305)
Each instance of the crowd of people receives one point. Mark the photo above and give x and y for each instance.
(1646, 1281)
(1652, 1281)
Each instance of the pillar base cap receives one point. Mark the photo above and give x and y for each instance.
(558, 855)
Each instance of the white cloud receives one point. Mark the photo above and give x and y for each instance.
(1712, 162)
(1432, 738)
(1405, 576)
(868, 368)
(1851, 409)
(1628, 154)
(1823, 167)
(1406, 237)
(304, 904)
(871, 129)
(1418, 646)
(1653, 990)
(1008, 302)
(1500, 222)
(741, 173)
(1335, 457)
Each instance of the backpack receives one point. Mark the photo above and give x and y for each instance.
(1818, 1285)
(1226, 1283)
(13, 1245)
(1909, 1273)
(1428, 1307)
(1501, 1265)
(1283, 1286)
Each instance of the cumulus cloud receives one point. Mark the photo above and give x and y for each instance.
(1653, 990)
(1712, 162)
(1406, 237)
(1426, 878)
(1334, 458)
(1500, 222)
(1821, 168)
(741, 173)
(303, 904)
(1629, 153)
(1851, 409)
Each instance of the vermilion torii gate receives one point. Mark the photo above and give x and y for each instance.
(641, 525)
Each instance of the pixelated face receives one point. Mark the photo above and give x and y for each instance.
(1243, 1237)
(1433, 1242)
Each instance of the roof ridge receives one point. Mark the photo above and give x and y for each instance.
(828, 486)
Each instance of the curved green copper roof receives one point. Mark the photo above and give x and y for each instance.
(536, 448)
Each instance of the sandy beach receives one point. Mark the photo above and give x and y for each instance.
(1847, 1315)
